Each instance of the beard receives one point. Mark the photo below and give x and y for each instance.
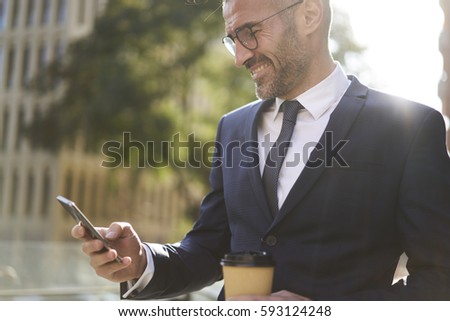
(294, 63)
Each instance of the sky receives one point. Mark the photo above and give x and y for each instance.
(402, 41)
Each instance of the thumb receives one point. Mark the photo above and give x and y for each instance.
(119, 230)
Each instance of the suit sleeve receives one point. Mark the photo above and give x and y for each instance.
(423, 218)
(424, 214)
(194, 262)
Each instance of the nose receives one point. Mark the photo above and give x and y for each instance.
(242, 55)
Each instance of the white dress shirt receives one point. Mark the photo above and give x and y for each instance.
(319, 102)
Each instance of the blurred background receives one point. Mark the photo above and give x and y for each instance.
(114, 104)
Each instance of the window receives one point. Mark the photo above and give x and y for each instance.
(61, 11)
(57, 56)
(15, 14)
(30, 194)
(26, 57)
(42, 59)
(3, 13)
(4, 131)
(42, 56)
(20, 127)
(36, 116)
(1, 66)
(81, 12)
(10, 68)
(15, 192)
(45, 12)
(30, 12)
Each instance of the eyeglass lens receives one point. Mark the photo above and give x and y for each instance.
(246, 36)
(230, 45)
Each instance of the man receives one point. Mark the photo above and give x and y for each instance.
(365, 179)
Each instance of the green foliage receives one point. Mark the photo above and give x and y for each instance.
(123, 77)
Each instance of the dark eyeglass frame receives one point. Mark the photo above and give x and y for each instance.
(250, 36)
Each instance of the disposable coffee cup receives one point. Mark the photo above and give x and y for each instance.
(247, 273)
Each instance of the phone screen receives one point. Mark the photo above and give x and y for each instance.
(78, 216)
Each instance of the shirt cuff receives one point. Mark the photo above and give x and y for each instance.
(135, 287)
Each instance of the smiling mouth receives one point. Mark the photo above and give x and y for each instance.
(256, 72)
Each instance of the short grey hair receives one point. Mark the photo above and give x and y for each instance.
(328, 11)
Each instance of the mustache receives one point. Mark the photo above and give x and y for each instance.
(256, 60)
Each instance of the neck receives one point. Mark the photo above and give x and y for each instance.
(320, 68)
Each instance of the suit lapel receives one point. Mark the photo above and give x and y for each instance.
(251, 135)
(340, 123)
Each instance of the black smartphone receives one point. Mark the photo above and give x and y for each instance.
(78, 216)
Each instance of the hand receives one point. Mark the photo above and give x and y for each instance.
(125, 241)
(277, 296)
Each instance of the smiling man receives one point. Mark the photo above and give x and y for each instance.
(335, 229)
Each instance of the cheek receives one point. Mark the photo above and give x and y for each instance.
(269, 48)
(276, 44)
(267, 40)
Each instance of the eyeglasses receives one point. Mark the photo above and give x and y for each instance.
(246, 36)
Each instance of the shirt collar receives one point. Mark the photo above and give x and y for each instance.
(318, 99)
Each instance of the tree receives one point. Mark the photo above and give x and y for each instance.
(124, 75)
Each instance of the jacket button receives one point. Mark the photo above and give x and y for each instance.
(271, 240)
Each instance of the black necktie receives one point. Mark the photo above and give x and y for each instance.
(278, 152)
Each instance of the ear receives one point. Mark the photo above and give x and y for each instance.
(314, 12)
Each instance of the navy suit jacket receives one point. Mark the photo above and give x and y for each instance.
(341, 230)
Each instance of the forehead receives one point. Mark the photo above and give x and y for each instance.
(239, 12)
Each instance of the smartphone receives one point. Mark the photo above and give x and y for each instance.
(78, 216)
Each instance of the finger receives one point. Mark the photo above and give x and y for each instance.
(79, 232)
(288, 296)
(106, 266)
(102, 258)
(93, 246)
(119, 230)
